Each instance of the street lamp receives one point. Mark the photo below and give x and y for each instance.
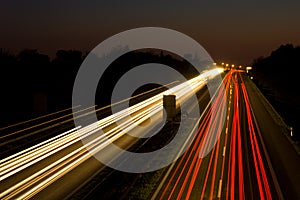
(248, 68)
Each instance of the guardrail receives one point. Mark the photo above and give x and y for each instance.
(277, 118)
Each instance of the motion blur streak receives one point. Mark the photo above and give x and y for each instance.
(138, 113)
(264, 190)
(237, 167)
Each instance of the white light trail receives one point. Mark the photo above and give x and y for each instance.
(127, 120)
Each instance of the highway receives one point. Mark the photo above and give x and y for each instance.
(25, 174)
(250, 159)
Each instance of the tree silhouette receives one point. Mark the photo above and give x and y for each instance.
(32, 84)
(277, 75)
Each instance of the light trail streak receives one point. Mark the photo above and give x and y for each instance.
(37, 118)
(236, 146)
(233, 144)
(203, 140)
(41, 179)
(240, 162)
(197, 140)
(259, 166)
(74, 138)
(214, 173)
(191, 170)
(228, 87)
(207, 139)
(43, 123)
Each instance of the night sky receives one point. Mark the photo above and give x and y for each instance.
(231, 31)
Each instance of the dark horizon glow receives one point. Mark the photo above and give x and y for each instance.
(233, 31)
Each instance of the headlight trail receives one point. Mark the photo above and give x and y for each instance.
(126, 119)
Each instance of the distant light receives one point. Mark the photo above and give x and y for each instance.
(223, 63)
(251, 77)
(240, 66)
(215, 64)
(227, 65)
(248, 68)
(220, 70)
(232, 65)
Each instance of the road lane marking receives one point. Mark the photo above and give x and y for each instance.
(220, 188)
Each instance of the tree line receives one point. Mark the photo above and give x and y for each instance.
(278, 78)
(33, 84)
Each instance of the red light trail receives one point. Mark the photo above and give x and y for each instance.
(221, 174)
